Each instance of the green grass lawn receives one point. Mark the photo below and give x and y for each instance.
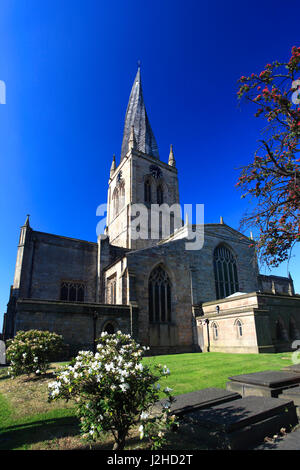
(27, 421)
(195, 371)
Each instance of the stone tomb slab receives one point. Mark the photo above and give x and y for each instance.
(293, 368)
(268, 383)
(200, 399)
(242, 423)
(292, 393)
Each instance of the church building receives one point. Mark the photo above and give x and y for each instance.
(168, 297)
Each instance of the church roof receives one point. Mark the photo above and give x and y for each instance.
(136, 116)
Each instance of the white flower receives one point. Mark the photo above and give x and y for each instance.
(141, 429)
(144, 415)
(124, 387)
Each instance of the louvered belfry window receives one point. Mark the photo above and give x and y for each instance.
(159, 296)
(72, 291)
(226, 277)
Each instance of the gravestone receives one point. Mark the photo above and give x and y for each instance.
(242, 423)
(197, 400)
(2, 353)
(268, 383)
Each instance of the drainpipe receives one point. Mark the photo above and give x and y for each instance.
(95, 317)
(208, 338)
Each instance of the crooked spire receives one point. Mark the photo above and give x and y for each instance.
(136, 117)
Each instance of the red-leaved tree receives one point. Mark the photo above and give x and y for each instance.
(272, 180)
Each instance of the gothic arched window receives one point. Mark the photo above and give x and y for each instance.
(109, 328)
(226, 278)
(147, 189)
(159, 296)
(160, 195)
(115, 200)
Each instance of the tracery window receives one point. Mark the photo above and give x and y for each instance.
(72, 291)
(147, 190)
(226, 277)
(159, 296)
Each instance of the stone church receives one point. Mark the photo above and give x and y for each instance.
(166, 296)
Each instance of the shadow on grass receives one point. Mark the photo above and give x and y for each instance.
(23, 435)
(37, 378)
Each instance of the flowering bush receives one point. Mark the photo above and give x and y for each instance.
(32, 351)
(114, 391)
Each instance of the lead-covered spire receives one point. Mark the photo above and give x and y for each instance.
(136, 117)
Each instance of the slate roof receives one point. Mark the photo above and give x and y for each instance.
(136, 116)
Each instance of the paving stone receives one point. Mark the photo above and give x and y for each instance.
(243, 423)
(267, 383)
(200, 399)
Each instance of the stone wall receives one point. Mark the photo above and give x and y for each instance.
(74, 321)
(201, 261)
(57, 259)
(270, 323)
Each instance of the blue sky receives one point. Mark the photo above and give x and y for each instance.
(69, 67)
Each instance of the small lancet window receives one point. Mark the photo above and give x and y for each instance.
(160, 195)
(239, 328)
(215, 331)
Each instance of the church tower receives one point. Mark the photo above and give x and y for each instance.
(140, 178)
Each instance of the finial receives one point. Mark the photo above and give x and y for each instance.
(186, 218)
(171, 161)
(139, 64)
(221, 220)
(113, 166)
(27, 221)
(251, 236)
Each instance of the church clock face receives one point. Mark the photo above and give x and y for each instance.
(155, 171)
